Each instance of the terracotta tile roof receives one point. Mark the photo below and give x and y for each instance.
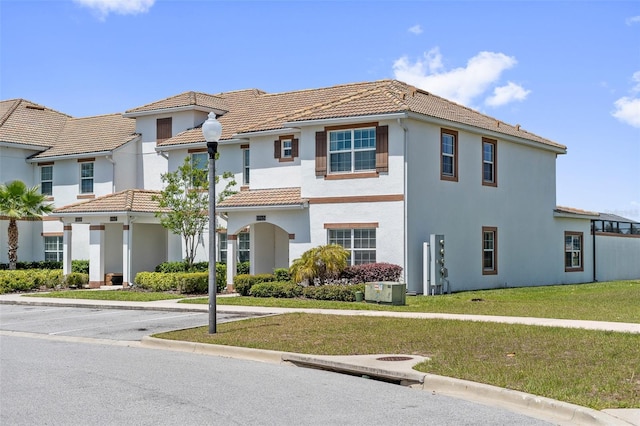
(92, 134)
(263, 197)
(130, 200)
(571, 210)
(253, 111)
(182, 100)
(24, 122)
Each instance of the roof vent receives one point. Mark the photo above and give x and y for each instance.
(517, 127)
(38, 107)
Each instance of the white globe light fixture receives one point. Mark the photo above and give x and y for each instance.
(212, 131)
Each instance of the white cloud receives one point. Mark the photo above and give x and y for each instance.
(627, 108)
(505, 94)
(416, 29)
(633, 20)
(461, 85)
(122, 7)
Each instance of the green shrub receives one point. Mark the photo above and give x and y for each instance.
(193, 282)
(243, 268)
(29, 280)
(76, 280)
(157, 281)
(221, 277)
(282, 274)
(81, 266)
(282, 289)
(243, 282)
(342, 293)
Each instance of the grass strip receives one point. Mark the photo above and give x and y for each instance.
(589, 368)
(616, 301)
(119, 295)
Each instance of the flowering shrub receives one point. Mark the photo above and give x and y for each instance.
(371, 272)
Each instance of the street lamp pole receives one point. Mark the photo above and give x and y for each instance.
(212, 131)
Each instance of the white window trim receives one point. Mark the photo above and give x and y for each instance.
(352, 150)
(92, 178)
(46, 180)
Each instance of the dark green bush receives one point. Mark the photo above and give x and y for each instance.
(81, 266)
(243, 282)
(243, 268)
(182, 282)
(281, 289)
(42, 264)
(342, 293)
(282, 274)
(76, 280)
(181, 266)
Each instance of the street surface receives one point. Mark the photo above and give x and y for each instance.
(102, 377)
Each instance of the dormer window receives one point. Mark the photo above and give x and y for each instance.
(286, 148)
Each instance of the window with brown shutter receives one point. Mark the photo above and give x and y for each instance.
(382, 149)
(321, 153)
(163, 129)
(285, 148)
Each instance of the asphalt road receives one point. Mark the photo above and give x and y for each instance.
(102, 377)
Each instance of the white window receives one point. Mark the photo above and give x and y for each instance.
(245, 166)
(489, 250)
(360, 242)
(489, 162)
(86, 178)
(244, 247)
(352, 150)
(200, 161)
(287, 148)
(573, 251)
(449, 155)
(222, 247)
(53, 249)
(46, 180)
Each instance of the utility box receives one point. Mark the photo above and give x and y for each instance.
(384, 292)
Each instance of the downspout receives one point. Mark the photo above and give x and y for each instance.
(404, 200)
(163, 154)
(113, 173)
(593, 237)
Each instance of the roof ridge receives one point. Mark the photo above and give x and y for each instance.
(10, 111)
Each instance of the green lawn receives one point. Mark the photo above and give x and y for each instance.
(120, 295)
(589, 368)
(617, 301)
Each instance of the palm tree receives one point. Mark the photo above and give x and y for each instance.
(18, 201)
(322, 263)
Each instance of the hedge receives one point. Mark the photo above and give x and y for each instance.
(280, 289)
(342, 293)
(242, 283)
(30, 280)
(182, 282)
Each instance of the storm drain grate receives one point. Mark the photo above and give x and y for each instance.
(394, 358)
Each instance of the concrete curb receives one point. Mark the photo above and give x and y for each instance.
(558, 412)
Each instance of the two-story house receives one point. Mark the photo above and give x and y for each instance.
(392, 173)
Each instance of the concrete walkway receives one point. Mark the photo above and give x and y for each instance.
(392, 367)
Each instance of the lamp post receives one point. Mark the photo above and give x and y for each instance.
(212, 130)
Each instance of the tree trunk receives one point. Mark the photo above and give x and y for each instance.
(13, 244)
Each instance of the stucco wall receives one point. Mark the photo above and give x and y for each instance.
(617, 257)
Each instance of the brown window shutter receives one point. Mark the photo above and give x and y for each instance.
(321, 153)
(163, 129)
(277, 147)
(382, 148)
(294, 148)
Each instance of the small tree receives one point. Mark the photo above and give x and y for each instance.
(185, 202)
(18, 201)
(321, 263)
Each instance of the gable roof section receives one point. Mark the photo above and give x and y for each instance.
(130, 200)
(277, 197)
(261, 111)
(91, 134)
(186, 99)
(23, 122)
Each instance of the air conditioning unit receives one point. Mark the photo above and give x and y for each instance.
(384, 292)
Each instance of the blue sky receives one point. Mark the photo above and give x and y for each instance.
(568, 71)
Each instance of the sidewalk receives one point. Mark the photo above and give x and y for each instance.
(399, 370)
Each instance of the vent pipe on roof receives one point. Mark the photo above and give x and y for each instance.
(517, 127)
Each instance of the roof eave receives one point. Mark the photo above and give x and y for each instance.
(19, 145)
(297, 206)
(37, 159)
(345, 120)
(488, 132)
(200, 144)
(135, 114)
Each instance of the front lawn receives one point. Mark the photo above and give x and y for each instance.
(590, 368)
(119, 295)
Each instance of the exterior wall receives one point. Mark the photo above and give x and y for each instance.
(13, 166)
(617, 257)
(150, 164)
(149, 247)
(125, 166)
(269, 172)
(521, 207)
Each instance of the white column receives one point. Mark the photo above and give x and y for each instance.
(126, 270)
(232, 255)
(96, 256)
(66, 249)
